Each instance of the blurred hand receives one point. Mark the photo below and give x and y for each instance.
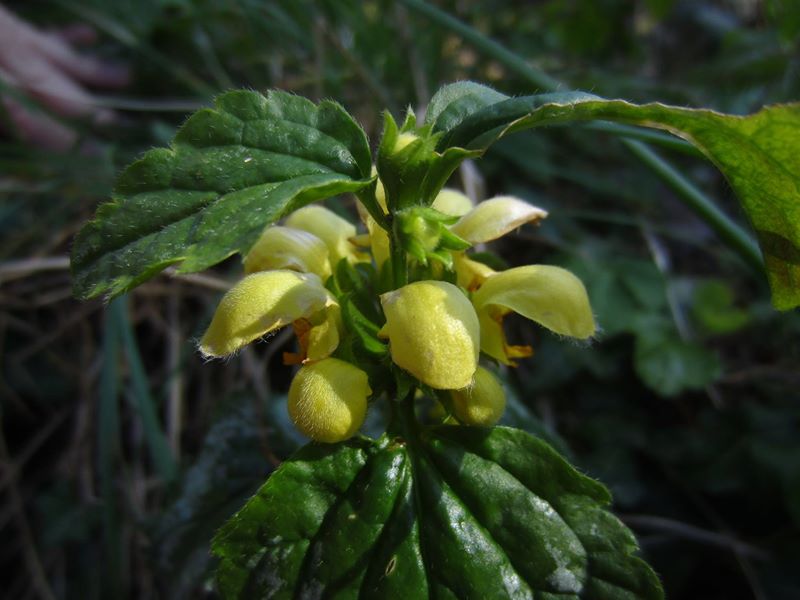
(45, 67)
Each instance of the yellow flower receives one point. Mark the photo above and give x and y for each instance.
(377, 237)
(488, 221)
(328, 400)
(268, 300)
(332, 229)
(288, 248)
(433, 333)
(452, 202)
(482, 403)
(492, 219)
(550, 296)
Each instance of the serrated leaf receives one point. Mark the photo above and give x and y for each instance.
(231, 171)
(460, 513)
(759, 154)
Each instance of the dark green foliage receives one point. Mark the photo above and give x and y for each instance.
(459, 512)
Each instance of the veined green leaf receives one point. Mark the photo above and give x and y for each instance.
(231, 171)
(461, 513)
(759, 154)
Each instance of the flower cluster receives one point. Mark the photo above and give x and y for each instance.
(435, 327)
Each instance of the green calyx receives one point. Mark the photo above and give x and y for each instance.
(424, 234)
(410, 167)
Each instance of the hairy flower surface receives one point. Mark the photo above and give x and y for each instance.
(433, 333)
(266, 301)
(288, 248)
(482, 403)
(332, 229)
(328, 400)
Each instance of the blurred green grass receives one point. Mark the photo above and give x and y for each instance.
(122, 451)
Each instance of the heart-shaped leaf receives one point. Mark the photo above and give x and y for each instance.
(759, 154)
(457, 513)
(231, 171)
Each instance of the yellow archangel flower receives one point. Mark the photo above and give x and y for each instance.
(550, 296)
(328, 400)
(332, 229)
(289, 248)
(266, 301)
(433, 333)
(482, 403)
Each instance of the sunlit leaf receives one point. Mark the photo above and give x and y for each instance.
(231, 171)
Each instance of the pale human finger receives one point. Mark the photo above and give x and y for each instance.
(86, 69)
(38, 129)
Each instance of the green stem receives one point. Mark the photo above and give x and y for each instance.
(696, 200)
(399, 260)
(701, 204)
(404, 420)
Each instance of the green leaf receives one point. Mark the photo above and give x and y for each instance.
(669, 365)
(713, 308)
(759, 154)
(231, 171)
(459, 513)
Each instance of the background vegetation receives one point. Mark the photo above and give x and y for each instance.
(122, 452)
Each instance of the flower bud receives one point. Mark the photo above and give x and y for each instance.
(403, 140)
(452, 202)
(330, 228)
(482, 403)
(328, 400)
(288, 248)
(433, 333)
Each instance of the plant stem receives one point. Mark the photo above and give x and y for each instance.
(398, 258)
(702, 205)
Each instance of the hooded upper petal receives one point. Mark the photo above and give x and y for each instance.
(551, 296)
(288, 248)
(494, 218)
(330, 228)
(433, 333)
(260, 303)
(452, 202)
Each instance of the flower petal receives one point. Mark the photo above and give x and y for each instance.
(433, 333)
(551, 296)
(330, 228)
(452, 202)
(288, 248)
(260, 303)
(493, 339)
(494, 218)
(470, 273)
(482, 403)
(323, 338)
(328, 400)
